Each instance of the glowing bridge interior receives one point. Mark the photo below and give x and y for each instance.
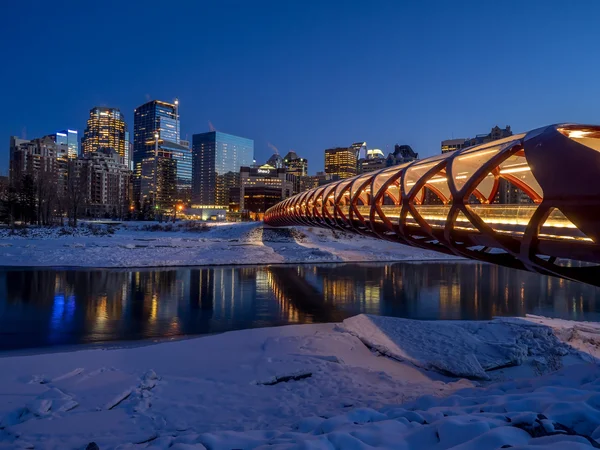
(530, 201)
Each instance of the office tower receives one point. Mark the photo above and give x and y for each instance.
(359, 147)
(496, 133)
(402, 154)
(159, 181)
(450, 145)
(70, 138)
(295, 165)
(216, 161)
(374, 160)
(275, 161)
(263, 187)
(106, 128)
(341, 161)
(161, 118)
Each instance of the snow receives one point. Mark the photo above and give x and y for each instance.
(458, 348)
(316, 387)
(134, 244)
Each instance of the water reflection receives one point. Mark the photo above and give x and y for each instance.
(54, 307)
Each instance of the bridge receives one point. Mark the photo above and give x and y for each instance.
(530, 201)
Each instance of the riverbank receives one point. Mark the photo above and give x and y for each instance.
(378, 381)
(143, 244)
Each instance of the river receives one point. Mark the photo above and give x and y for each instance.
(52, 307)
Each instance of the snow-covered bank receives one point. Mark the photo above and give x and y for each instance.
(314, 386)
(136, 245)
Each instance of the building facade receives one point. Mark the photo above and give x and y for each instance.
(402, 154)
(159, 182)
(296, 166)
(104, 179)
(450, 145)
(99, 180)
(37, 157)
(374, 160)
(106, 128)
(70, 138)
(341, 161)
(174, 180)
(216, 161)
(262, 187)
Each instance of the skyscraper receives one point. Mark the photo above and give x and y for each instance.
(106, 128)
(216, 161)
(295, 165)
(341, 161)
(69, 138)
(153, 117)
(161, 118)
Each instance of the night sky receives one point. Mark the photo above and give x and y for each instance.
(303, 75)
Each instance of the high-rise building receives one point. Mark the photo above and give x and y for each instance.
(374, 160)
(38, 157)
(496, 133)
(402, 154)
(263, 187)
(450, 145)
(216, 161)
(69, 138)
(341, 161)
(275, 161)
(150, 118)
(106, 128)
(104, 182)
(161, 118)
(296, 166)
(359, 147)
(159, 181)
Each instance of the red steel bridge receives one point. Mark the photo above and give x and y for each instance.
(530, 201)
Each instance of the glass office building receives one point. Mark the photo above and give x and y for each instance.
(150, 118)
(70, 138)
(216, 161)
(106, 128)
(162, 118)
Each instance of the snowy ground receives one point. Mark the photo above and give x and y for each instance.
(134, 245)
(532, 383)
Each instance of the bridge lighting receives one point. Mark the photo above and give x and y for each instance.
(516, 169)
(528, 234)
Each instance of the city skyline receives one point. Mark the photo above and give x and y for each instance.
(285, 73)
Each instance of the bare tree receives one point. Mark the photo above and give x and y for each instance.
(74, 192)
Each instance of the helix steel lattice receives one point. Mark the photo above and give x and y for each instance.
(530, 201)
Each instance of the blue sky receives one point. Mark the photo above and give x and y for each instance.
(303, 75)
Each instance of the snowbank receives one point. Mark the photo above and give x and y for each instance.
(458, 348)
(311, 386)
(136, 245)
